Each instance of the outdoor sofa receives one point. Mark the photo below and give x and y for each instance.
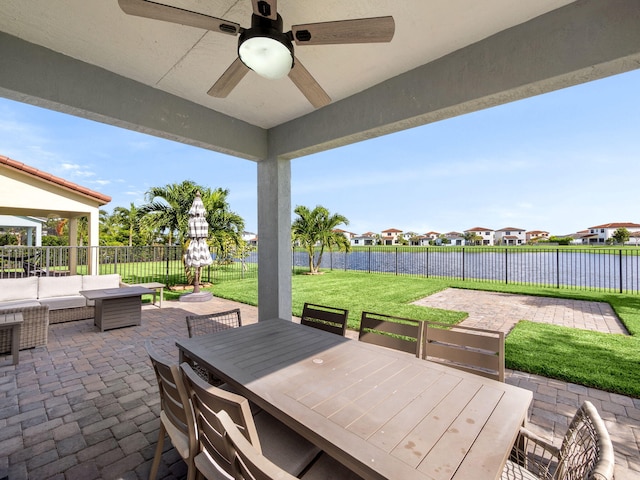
(46, 300)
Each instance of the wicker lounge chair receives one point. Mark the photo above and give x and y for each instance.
(586, 452)
(35, 328)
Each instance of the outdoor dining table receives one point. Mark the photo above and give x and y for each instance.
(383, 413)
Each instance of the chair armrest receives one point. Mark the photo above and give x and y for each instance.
(535, 454)
(529, 436)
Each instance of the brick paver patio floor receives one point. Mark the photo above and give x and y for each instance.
(86, 406)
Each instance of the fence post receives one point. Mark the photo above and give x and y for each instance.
(506, 267)
(166, 255)
(115, 261)
(396, 260)
(427, 262)
(557, 268)
(369, 261)
(620, 270)
(463, 276)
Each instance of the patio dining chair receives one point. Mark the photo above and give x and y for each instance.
(586, 452)
(207, 324)
(399, 333)
(276, 441)
(176, 414)
(248, 463)
(474, 350)
(329, 319)
(213, 322)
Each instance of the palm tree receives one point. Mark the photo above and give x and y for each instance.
(168, 210)
(316, 229)
(225, 226)
(129, 219)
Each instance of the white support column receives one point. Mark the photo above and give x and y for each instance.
(73, 243)
(93, 221)
(274, 239)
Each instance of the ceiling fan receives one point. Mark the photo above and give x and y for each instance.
(265, 48)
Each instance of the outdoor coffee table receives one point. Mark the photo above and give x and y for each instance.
(13, 323)
(155, 286)
(117, 307)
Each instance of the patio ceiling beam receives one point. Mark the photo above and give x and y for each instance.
(583, 41)
(39, 76)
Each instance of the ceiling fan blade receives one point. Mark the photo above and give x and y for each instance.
(158, 11)
(361, 30)
(229, 79)
(265, 8)
(311, 89)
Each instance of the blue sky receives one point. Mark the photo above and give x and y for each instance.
(560, 162)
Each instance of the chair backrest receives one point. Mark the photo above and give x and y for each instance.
(247, 462)
(393, 332)
(174, 401)
(329, 319)
(474, 350)
(207, 401)
(213, 322)
(586, 451)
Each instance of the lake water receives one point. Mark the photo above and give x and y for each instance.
(587, 269)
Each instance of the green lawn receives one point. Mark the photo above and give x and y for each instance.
(604, 361)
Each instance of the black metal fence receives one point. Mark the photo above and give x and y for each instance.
(134, 264)
(590, 269)
(612, 270)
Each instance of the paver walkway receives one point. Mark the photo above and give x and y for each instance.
(86, 406)
(501, 311)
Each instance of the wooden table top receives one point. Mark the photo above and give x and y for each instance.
(120, 292)
(383, 413)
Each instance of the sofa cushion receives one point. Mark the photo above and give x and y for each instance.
(18, 289)
(70, 301)
(19, 304)
(60, 286)
(97, 282)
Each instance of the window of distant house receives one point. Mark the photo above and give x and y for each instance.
(507, 233)
(602, 230)
(356, 241)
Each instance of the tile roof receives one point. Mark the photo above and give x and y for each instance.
(479, 229)
(59, 182)
(618, 225)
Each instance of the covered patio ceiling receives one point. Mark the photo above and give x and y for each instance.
(447, 58)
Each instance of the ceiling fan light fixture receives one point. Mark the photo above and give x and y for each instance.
(265, 49)
(266, 56)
